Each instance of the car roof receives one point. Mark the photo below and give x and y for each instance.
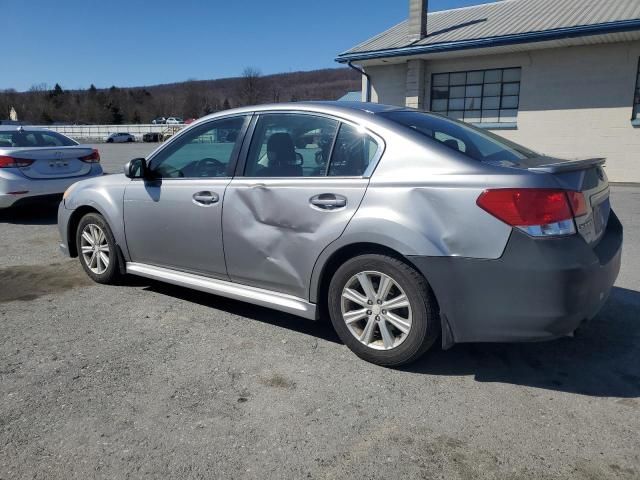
(358, 109)
(15, 128)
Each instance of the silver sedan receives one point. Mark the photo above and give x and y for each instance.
(402, 226)
(38, 163)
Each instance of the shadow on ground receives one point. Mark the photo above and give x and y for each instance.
(321, 329)
(36, 214)
(603, 359)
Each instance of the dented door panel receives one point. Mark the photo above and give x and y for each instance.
(274, 230)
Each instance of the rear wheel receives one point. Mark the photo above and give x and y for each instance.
(383, 310)
(97, 249)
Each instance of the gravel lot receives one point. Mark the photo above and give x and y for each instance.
(153, 380)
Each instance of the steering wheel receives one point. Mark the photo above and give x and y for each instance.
(210, 167)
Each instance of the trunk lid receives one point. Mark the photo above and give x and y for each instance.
(54, 162)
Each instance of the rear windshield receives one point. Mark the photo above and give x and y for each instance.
(34, 138)
(473, 142)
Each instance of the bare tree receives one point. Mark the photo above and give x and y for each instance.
(251, 88)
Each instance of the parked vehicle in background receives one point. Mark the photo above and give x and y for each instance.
(159, 121)
(189, 121)
(403, 226)
(174, 121)
(151, 137)
(36, 164)
(121, 137)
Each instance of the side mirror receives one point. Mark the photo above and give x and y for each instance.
(136, 168)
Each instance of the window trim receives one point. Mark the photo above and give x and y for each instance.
(480, 123)
(244, 152)
(635, 119)
(233, 161)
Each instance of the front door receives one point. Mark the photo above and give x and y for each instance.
(174, 218)
(299, 188)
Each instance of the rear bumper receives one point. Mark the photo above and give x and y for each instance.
(35, 189)
(538, 289)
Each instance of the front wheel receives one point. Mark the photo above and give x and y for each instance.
(97, 249)
(383, 310)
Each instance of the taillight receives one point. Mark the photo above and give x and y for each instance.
(538, 212)
(12, 162)
(94, 157)
(578, 203)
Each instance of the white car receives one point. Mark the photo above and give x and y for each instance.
(122, 137)
(174, 121)
(38, 164)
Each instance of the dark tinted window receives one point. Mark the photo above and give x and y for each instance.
(34, 138)
(353, 152)
(471, 141)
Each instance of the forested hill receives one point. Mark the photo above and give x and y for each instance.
(44, 104)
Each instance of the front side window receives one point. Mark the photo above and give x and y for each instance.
(291, 145)
(480, 96)
(205, 151)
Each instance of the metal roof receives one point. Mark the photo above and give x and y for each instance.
(501, 23)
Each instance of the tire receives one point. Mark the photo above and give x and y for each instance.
(110, 140)
(91, 224)
(411, 331)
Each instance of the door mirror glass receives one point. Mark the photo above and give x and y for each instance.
(136, 168)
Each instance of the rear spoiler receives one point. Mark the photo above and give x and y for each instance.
(569, 165)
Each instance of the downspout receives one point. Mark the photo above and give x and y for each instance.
(367, 93)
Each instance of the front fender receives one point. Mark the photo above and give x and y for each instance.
(106, 196)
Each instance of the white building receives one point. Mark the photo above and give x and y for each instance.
(558, 76)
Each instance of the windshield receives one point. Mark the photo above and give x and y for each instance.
(471, 141)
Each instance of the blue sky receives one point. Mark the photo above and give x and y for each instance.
(137, 42)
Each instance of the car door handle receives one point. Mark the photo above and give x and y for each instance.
(205, 198)
(328, 201)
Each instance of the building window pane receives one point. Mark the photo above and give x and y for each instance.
(472, 103)
(474, 91)
(458, 78)
(440, 92)
(491, 102)
(493, 76)
(439, 105)
(456, 92)
(475, 78)
(479, 96)
(473, 116)
(511, 89)
(456, 104)
(492, 89)
(508, 115)
(511, 75)
(490, 116)
(441, 80)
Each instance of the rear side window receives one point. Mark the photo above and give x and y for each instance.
(471, 141)
(352, 153)
(20, 139)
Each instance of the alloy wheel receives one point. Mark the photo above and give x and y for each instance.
(376, 310)
(95, 248)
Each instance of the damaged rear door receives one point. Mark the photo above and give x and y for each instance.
(303, 179)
